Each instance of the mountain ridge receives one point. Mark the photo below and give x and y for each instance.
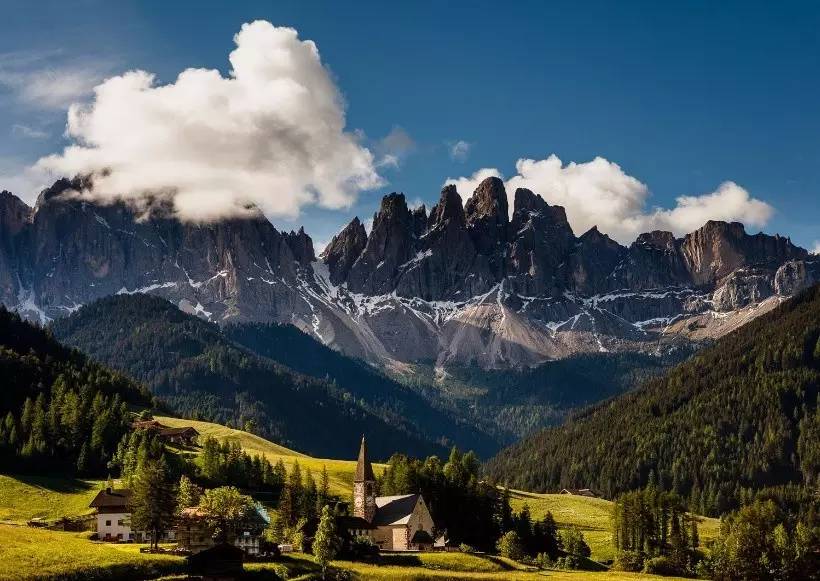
(467, 284)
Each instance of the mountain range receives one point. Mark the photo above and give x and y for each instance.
(465, 284)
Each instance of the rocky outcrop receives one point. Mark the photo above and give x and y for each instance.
(344, 249)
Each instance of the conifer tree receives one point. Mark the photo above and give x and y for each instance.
(153, 499)
(325, 543)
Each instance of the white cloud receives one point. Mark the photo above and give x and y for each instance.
(272, 133)
(599, 193)
(394, 147)
(49, 80)
(26, 131)
(459, 150)
(816, 249)
(20, 180)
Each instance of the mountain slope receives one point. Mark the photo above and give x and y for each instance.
(300, 352)
(741, 414)
(467, 284)
(198, 371)
(58, 408)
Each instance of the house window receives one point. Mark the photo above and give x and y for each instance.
(108, 523)
(120, 522)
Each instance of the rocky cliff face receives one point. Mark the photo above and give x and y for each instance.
(468, 284)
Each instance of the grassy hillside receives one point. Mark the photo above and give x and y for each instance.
(741, 414)
(27, 553)
(25, 497)
(340, 472)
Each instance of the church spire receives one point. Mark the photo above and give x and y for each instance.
(364, 471)
(364, 487)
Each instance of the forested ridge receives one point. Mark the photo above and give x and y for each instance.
(58, 408)
(289, 346)
(738, 417)
(201, 373)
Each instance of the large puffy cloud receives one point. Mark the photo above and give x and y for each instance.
(599, 193)
(271, 133)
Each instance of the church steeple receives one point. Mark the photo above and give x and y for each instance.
(364, 486)
(364, 471)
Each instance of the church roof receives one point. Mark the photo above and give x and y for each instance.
(364, 471)
(395, 510)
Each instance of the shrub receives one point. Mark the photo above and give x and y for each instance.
(465, 548)
(629, 561)
(543, 561)
(509, 545)
(662, 566)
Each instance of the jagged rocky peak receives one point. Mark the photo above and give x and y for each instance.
(344, 249)
(527, 200)
(487, 217)
(14, 214)
(448, 210)
(658, 239)
(301, 245)
(489, 200)
(391, 243)
(419, 220)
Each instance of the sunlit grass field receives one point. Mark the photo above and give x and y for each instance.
(28, 553)
(26, 497)
(592, 517)
(423, 566)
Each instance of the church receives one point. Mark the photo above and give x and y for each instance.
(393, 523)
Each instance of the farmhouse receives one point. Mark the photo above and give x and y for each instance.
(393, 523)
(195, 534)
(184, 436)
(114, 517)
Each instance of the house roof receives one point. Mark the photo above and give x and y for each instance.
(111, 497)
(422, 537)
(364, 471)
(395, 510)
(187, 430)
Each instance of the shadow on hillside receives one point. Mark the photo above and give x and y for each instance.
(497, 561)
(62, 484)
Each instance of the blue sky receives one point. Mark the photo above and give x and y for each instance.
(682, 98)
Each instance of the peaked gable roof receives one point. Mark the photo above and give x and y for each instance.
(395, 510)
(111, 497)
(364, 471)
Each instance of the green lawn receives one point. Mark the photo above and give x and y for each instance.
(27, 553)
(26, 497)
(340, 472)
(423, 566)
(591, 516)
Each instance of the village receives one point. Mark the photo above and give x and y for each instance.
(221, 542)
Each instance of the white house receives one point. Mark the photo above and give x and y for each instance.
(114, 517)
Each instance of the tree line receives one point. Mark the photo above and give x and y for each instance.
(737, 418)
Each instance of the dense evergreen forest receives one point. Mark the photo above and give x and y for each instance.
(58, 409)
(738, 417)
(289, 346)
(200, 373)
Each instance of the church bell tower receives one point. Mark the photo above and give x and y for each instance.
(364, 487)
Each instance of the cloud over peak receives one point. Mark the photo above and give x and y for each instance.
(599, 193)
(271, 133)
